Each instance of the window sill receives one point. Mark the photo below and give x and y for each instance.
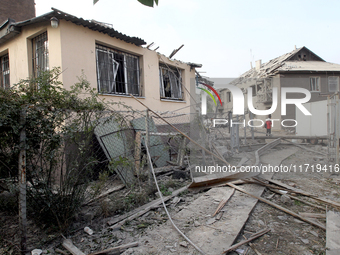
(173, 100)
(121, 95)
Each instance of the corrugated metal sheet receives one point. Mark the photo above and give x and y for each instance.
(159, 152)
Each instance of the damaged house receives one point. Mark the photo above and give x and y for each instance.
(115, 64)
(300, 68)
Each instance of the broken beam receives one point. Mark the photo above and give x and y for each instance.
(256, 235)
(279, 207)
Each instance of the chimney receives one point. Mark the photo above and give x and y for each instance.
(18, 10)
(258, 64)
(294, 47)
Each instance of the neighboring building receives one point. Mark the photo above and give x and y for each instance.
(17, 10)
(300, 68)
(114, 63)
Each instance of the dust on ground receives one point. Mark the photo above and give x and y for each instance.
(155, 234)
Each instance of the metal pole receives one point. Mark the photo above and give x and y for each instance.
(245, 130)
(237, 133)
(204, 137)
(22, 184)
(328, 126)
(252, 124)
(337, 128)
(147, 142)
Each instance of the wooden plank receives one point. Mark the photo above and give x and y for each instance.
(333, 233)
(181, 151)
(313, 215)
(287, 137)
(223, 203)
(298, 199)
(120, 220)
(276, 190)
(117, 249)
(210, 180)
(68, 245)
(279, 207)
(109, 191)
(305, 193)
(256, 235)
(307, 149)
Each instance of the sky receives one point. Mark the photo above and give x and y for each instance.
(225, 36)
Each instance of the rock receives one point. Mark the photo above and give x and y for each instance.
(261, 222)
(210, 221)
(175, 200)
(286, 200)
(170, 189)
(305, 241)
(36, 252)
(240, 251)
(196, 223)
(299, 221)
(314, 233)
(334, 192)
(282, 217)
(88, 216)
(271, 196)
(88, 231)
(173, 250)
(292, 184)
(184, 244)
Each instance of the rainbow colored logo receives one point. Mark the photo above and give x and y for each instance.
(211, 95)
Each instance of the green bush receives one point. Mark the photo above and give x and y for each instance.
(59, 126)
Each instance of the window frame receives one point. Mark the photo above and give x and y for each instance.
(317, 85)
(38, 54)
(175, 75)
(5, 72)
(123, 87)
(335, 81)
(228, 95)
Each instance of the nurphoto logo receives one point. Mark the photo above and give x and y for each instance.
(238, 104)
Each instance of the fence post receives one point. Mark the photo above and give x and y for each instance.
(337, 135)
(22, 184)
(147, 143)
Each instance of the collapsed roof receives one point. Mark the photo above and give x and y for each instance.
(301, 59)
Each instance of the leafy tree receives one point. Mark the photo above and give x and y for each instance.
(59, 126)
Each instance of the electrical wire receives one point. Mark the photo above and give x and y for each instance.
(166, 210)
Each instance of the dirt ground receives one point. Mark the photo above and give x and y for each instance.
(155, 234)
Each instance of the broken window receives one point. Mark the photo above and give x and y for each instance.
(117, 72)
(4, 70)
(170, 83)
(40, 54)
(314, 84)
